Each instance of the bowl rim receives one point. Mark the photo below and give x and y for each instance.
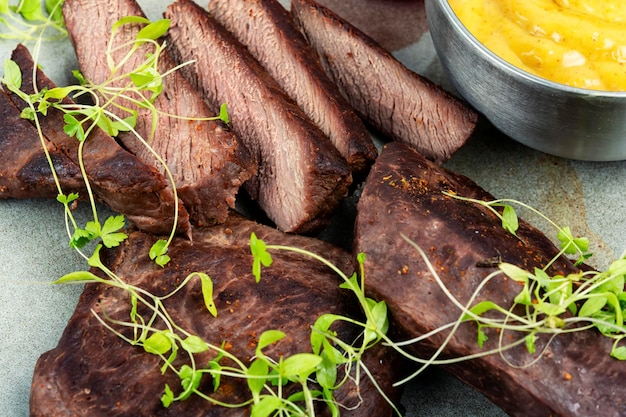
(507, 66)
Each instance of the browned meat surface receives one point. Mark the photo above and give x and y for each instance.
(268, 31)
(94, 373)
(24, 169)
(302, 177)
(403, 194)
(398, 102)
(207, 162)
(118, 178)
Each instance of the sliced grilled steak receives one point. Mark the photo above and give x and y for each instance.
(403, 194)
(118, 178)
(24, 169)
(207, 162)
(302, 177)
(268, 31)
(94, 373)
(398, 102)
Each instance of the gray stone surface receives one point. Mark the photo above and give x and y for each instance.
(33, 242)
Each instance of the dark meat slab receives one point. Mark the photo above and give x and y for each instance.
(207, 161)
(302, 177)
(118, 178)
(94, 373)
(268, 31)
(24, 169)
(403, 194)
(401, 104)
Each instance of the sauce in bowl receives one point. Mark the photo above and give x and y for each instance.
(580, 43)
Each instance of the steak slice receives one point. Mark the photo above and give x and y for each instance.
(401, 104)
(24, 169)
(94, 373)
(207, 161)
(267, 29)
(118, 178)
(403, 194)
(302, 177)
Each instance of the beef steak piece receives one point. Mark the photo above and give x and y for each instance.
(267, 29)
(207, 162)
(118, 178)
(401, 104)
(302, 177)
(24, 169)
(404, 195)
(92, 372)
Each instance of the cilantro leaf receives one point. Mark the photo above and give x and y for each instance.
(110, 235)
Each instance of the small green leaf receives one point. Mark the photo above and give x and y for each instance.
(592, 306)
(481, 308)
(554, 322)
(267, 338)
(619, 353)
(224, 114)
(73, 127)
(257, 376)
(158, 252)
(194, 344)
(79, 77)
(514, 272)
(94, 260)
(300, 365)
(207, 294)
(30, 10)
(549, 309)
(12, 75)
(481, 336)
(215, 369)
(158, 343)
(58, 93)
(190, 380)
(28, 113)
(260, 254)
(381, 322)
(54, 9)
(524, 297)
(80, 237)
(351, 284)
(67, 199)
(326, 374)
(510, 222)
(110, 235)
(153, 30)
(4, 6)
(266, 406)
(571, 245)
(78, 276)
(168, 397)
(319, 329)
(128, 20)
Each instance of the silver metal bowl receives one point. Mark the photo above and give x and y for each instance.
(554, 118)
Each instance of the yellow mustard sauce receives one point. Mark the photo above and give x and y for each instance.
(581, 43)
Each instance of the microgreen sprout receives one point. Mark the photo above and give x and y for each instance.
(32, 20)
(143, 87)
(550, 305)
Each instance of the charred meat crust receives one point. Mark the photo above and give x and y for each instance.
(207, 162)
(267, 29)
(93, 372)
(302, 177)
(24, 169)
(403, 194)
(118, 178)
(401, 104)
